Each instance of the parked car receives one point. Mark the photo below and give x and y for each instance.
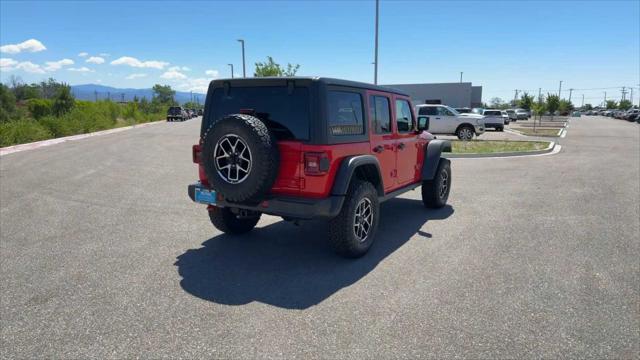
(505, 117)
(177, 113)
(441, 119)
(522, 114)
(313, 148)
(463, 110)
(493, 119)
(512, 115)
(200, 112)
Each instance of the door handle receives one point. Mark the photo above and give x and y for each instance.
(437, 118)
(378, 149)
(401, 146)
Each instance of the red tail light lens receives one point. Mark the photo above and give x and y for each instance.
(316, 163)
(196, 150)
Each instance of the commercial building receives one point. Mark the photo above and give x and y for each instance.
(456, 95)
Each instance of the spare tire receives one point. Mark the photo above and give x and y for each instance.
(240, 157)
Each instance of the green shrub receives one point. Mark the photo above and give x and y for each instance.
(22, 131)
(40, 108)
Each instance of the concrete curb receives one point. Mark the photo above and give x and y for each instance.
(539, 136)
(548, 149)
(38, 144)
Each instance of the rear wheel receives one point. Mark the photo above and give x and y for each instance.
(436, 192)
(352, 232)
(465, 132)
(500, 128)
(228, 222)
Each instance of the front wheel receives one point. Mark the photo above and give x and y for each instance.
(352, 232)
(435, 192)
(228, 222)
(500, 128)
(465, 133)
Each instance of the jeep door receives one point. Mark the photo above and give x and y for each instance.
(407, 143)
(381, 136)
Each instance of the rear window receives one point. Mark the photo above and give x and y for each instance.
(493, 113)
(175, 110)
(345, 113)
(427, 110)
(285, 114)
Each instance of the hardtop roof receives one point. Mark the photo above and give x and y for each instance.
(325, 80)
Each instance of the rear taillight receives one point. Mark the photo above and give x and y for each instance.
(195, 153)
(316, 163)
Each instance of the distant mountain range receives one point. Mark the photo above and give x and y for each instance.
(91, 91)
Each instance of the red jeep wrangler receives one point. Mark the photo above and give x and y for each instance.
(305, 148)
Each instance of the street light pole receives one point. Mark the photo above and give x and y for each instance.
(244, 70)
(461, 76)
(375, 67)
(231, 70)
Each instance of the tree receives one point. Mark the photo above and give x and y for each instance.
(50, 88)
(525, 101)
(63, 101)
(271, 68)
(587, 107)
(625, 104)
(497, 103)
(40, 108)
(7, 103)
(552, 103)
(612, 104)
(192, 105)
(163, 94)
(538, 108)
(565, 106)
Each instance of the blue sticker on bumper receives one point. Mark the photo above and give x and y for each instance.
(205, 196)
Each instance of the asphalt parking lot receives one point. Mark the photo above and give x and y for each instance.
(103, 255)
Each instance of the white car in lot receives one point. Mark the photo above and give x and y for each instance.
(441, 119)
(493, 119)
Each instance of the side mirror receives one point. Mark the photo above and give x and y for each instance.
(423, 123)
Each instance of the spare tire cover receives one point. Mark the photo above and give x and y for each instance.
(240, 157)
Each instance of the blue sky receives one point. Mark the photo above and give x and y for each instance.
(503, 45)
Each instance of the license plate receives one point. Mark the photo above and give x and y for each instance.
(205, 196)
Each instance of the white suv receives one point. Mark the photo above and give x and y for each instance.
(493, 119)
(441, 119)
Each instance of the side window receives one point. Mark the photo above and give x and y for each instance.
(428, 110)
(443, 111)
(404, 118)
(380, 114)
(345, 113)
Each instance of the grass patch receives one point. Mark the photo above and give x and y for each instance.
(495, 146)
(538, 132)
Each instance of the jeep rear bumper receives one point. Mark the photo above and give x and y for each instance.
(288, 207)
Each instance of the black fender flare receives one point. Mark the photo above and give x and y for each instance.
(432, 154)
(348, 167)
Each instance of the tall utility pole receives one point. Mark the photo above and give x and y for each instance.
(191, 95)
(570, 91)
(605, 99)
(461, 76)
(560, 90)
(244, 70)
(631, 95)
(582, 101)
(375, 56)
(624, 92)
(515, 97)
(95, 94)
(540, 95)
(231, 70)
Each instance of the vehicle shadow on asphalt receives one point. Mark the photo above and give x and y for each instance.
(293, 267)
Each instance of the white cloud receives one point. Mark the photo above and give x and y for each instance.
(83, 54)
(179, 68)
(213, 73)
(7, 64)
(95, 60)
(133, 62)
(31, 45)
(135, 76)
(199, 85)
(82, 69)
(30, 67)
(57, 65)
(173, 75)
